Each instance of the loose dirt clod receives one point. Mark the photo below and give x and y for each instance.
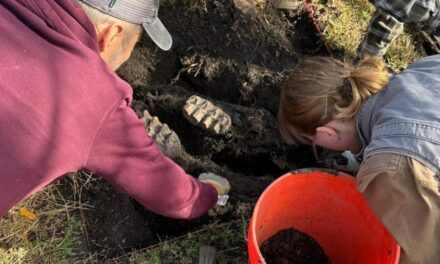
(291, 246)
(249, 7)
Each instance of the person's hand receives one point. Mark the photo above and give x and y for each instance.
(348, 163)
(164, 137)
(338, 161)
(219, 183)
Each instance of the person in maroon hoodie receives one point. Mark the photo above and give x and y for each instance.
(64, 109)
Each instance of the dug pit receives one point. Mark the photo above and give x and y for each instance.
(237, 62)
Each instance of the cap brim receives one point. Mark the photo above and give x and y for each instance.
(159, 34)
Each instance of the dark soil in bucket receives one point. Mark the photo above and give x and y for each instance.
(291, 246)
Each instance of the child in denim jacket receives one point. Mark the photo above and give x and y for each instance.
(393, 126)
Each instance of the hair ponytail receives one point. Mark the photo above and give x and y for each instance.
(365, 79)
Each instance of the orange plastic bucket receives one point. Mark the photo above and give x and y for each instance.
(327, 208)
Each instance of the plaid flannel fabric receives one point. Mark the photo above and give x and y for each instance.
(387, 22)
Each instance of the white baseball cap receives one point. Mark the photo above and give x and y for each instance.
(142, 12)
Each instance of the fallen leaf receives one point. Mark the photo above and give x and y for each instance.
(26, 213)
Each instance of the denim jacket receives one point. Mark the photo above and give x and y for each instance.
(404, 118)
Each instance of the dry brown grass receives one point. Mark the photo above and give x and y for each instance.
(57, 234)
(52, 237)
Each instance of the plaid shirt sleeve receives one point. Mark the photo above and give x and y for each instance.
(383, 28)
(387, 22)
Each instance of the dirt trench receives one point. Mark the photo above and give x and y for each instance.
(237, 61)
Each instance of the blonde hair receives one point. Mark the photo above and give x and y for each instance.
(99, 18)
(322, 89)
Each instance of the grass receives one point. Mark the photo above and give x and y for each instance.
(345, 22)
(229, 239)
(56, 234)
(50, 237)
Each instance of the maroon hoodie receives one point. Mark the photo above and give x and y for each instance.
(62, 109)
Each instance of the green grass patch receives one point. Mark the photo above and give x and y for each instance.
(228, 239)
(344, 23)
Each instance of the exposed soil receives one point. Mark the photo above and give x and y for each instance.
(291, 246)
(237, 62)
